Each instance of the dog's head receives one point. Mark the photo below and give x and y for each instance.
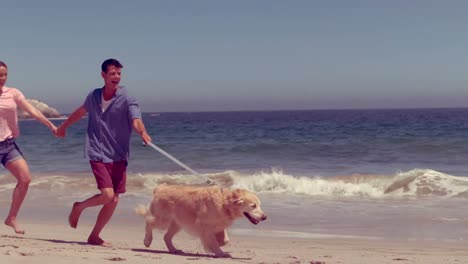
(249, 205)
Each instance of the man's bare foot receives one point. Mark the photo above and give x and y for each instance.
(74, 215)
(12, 222)
(97, 241)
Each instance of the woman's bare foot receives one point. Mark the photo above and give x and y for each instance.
(74, 215)
(11, 221)
(97, 241)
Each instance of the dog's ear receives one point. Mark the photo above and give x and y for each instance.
(238, 201)
(236, 197)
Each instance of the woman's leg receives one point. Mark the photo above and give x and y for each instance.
(19, 168)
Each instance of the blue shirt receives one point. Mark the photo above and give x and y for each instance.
(109, 132)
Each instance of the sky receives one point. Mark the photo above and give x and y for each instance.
(220, 55)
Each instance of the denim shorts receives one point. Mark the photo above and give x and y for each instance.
(9, 151)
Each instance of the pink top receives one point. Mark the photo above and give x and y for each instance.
(9, 99)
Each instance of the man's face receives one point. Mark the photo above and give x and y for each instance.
(111, 77)
(3, 75)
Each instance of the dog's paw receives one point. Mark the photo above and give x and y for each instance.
(222, 238)
(223, 243)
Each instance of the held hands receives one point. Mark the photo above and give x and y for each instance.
(61, 131)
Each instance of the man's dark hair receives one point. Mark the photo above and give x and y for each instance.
(2, 64)
(110, 62)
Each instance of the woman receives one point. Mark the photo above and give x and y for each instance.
(10, 155)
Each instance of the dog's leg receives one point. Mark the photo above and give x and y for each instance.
(173, 229)
(210, 243)
(148, 234)
(222, 238)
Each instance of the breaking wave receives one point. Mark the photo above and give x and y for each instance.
(413, 183)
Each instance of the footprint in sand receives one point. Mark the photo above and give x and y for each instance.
(24, 254)
(116, 259)
(13, 246)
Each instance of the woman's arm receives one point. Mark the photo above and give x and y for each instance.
(34, 112)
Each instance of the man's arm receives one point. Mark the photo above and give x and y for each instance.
(139, 127)
(73, 118)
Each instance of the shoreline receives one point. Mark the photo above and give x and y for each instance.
(57, 243)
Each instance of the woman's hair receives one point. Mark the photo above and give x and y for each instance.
(2, 64)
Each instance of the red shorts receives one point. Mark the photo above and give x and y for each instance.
(110, 175)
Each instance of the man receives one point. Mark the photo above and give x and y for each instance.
(112, 114)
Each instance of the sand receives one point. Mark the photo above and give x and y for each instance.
(57, 243)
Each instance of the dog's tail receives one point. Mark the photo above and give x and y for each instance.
(141, 210)
(144, 211)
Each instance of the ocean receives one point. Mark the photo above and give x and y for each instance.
(379, 174)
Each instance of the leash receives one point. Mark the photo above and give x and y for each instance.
(169, 156)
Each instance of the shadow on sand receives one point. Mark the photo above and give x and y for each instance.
(49, 240)
(194, 255)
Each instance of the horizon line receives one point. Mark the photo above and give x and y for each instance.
(309, 109)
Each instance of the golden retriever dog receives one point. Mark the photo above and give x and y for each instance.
(204, 212)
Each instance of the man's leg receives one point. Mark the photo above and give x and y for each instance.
(103, 218)
(105, 197)
(19, 169)
(110, 178)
